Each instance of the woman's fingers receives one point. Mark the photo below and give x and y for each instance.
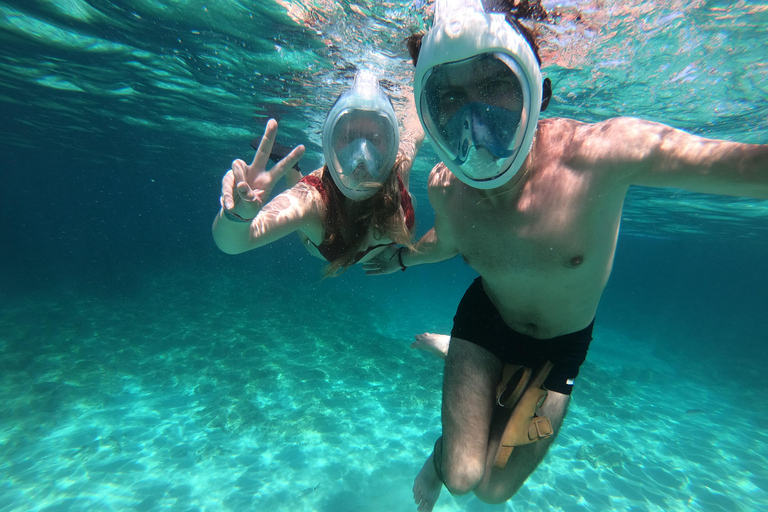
(261, 158)
(384, 263)
(228, 191)
(243, 184)
(373, 268)
(244, 191)
(239, 170)
(243, 179)
(253, 183)
(284, 165)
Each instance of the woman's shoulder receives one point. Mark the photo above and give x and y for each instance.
(311, 182)
(314, 179)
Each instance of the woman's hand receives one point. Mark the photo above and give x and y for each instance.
(386, 262)
(246, 188)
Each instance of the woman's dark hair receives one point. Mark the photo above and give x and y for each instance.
(515, 10)
(381, 212)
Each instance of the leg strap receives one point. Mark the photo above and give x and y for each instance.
(514, 380)
(524, 427)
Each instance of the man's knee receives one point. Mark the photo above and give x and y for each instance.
(501, 484)
(463, 476)
(495, 496)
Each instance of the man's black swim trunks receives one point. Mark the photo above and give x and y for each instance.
(478, 321)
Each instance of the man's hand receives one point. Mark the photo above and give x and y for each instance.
(246, 188)
(386, 262)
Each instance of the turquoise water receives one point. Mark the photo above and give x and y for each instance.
(141, 369)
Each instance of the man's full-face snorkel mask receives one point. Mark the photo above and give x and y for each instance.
(360, 138)
(478, 92)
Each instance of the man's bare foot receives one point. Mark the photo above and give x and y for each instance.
(434, 343)
(427, 487)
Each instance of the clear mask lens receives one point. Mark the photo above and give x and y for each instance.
(363, 143)
(361, 155)
(476, 107)
(481, 125)
(360, 138)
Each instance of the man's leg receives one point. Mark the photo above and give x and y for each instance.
(469, 382)
(499, 485)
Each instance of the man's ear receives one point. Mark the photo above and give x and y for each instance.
(413, 43)
(546, 93)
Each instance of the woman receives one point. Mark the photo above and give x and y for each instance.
(348, 211)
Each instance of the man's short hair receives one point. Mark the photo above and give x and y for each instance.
(514, 11)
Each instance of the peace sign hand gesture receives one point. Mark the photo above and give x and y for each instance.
(246, 188)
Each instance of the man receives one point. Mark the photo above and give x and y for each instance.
(534, 207)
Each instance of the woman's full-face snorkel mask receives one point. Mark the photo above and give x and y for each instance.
(478, 92)
(360, 138)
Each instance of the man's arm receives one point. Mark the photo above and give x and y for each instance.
(411, 138)
(430, 249)
(435, 246)
(655, 155)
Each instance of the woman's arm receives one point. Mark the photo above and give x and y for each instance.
(242, 224)
(295, 209)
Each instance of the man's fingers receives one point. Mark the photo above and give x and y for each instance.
(284, 165)
(261, 158)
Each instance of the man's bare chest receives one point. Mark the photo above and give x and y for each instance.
(537, 228)
(515, 241)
